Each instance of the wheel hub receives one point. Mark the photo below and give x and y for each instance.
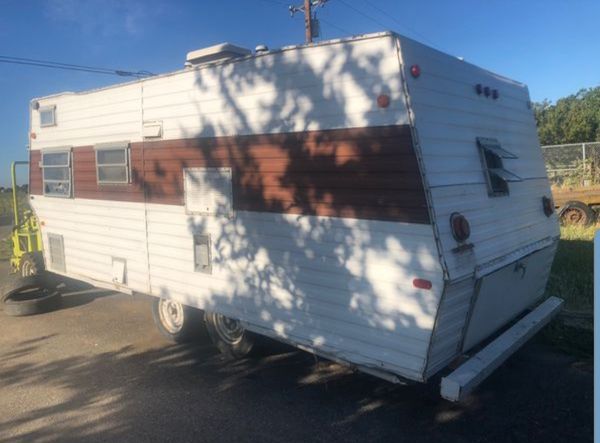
(171, 315)
(230, 330)
(574, 216)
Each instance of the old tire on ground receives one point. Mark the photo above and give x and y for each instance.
(31, 264)
(577, 213)
(14, 286)
(177, 322)
(229, 336)
(31, 302)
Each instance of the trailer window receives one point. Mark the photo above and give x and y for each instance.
(112, 163)
(497, 177)
(47, 116)
(56, 168)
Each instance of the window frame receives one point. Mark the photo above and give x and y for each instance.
(68, 165)
(43, 109)
(489, 148)
(114, 146)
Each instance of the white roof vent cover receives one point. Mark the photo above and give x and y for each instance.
(215, 53)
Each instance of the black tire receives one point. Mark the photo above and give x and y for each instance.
(31, 264)
(577, 213)
(189, 324)
(32, 302)
(229, 336)
(14, 286)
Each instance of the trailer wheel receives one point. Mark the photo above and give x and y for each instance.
(31, 302)
(577, 213)
(229, 336)
(177, 322)
(31, 264)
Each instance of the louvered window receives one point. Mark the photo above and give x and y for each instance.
(56, 248)
(496, 175)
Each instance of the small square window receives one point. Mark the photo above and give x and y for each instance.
(48, 116)
(112, 163)
(497, 177)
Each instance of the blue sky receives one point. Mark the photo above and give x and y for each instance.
(551, 45)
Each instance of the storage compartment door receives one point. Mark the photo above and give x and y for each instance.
(506, 293)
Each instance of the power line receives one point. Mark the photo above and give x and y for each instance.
(402, 25)
(391, 17)
(71, 67)
(362, 13)
(333, 25)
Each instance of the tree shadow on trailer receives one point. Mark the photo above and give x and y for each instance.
(274, 271)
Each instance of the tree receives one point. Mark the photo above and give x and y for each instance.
(572, 119)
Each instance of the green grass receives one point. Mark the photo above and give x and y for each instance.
(572, 279)
(6, 208)
(572, 276)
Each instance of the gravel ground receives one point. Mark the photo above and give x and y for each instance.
(97, 370)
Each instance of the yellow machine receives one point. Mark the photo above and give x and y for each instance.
(27, 258)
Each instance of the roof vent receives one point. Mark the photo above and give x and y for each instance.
(215, 53)
(261, 49)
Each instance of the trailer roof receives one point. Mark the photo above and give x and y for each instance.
(261, 54)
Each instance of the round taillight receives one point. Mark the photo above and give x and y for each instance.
(548, 206)
(461, 230)
(495, 94)
(383, 100)
(478, 88)
(486, 91)
(33, 135)
(415, 71)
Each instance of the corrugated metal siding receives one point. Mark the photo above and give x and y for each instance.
(448, 117)
(93, 232)
(450, 324)
(341, 285)
(308, 88)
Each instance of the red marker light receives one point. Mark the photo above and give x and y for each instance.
(33, 135)
(383, 101)
(421, 283)
(415, 71)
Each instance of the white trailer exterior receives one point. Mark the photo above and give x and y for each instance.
(308, 192)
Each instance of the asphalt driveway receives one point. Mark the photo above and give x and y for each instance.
(97, 370)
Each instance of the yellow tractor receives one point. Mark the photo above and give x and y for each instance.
(26, 258)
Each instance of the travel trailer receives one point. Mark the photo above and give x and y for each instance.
(370, 199)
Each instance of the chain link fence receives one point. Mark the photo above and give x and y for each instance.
(574, 164)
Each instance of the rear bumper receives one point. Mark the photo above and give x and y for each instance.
(471, 373)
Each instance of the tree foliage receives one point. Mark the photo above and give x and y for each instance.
(572, 119)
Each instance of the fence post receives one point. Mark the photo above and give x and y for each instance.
(585, 166)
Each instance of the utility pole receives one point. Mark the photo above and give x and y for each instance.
(308, 21)
(311, 25)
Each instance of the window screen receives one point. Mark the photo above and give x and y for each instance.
(48, 116)
(112, 163)
(497, 177)
(56, 167)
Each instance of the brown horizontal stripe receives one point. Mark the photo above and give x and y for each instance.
(367, 173)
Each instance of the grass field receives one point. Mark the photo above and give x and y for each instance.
(572, 279)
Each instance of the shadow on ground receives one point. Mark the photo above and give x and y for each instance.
(100, 372)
